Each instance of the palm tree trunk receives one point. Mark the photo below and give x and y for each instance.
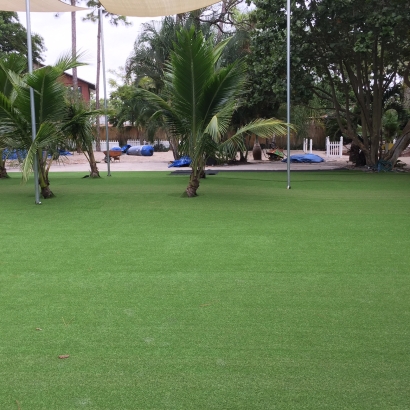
(94, 173)
(43, 179)
(193, 184)
(3, 172)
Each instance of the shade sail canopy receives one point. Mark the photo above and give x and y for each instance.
(54, 6)
(153, 8)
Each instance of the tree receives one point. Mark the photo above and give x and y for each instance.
(50, 113)
(17, 64)
(357, 49)
(113, 19)
(151, 52)
(199, 100)
(13, 37)
(78, 128)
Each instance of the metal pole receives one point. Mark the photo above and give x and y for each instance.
(288, 88)
(105, 92)
(32, 108)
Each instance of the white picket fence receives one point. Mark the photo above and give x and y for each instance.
(334, 149)
(129, 142)
(307, 145)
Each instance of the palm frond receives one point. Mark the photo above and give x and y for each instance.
(47, 135)
(264, 128)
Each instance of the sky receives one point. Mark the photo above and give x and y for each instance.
(56, 31)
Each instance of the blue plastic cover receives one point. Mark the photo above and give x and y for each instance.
(147, 150)
(125, 148)
(14, 154)
(115, 149)
(135, 150)
(182, 162)
(306, 158)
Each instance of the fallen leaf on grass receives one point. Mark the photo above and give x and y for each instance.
(38, 328)
(64, 356)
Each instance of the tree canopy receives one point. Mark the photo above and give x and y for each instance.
(13, 37)
(350, 53)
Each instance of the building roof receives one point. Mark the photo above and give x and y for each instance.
(90, 85)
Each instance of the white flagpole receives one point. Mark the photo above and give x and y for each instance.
(105, 93)
(33, 112)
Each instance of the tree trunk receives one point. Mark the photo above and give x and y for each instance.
(401, 144)
(74, 49)
(193, 184)
(257, 151)
(94, 173)
(43, 181)
(3, 172)
(97, 87)
(174, 147)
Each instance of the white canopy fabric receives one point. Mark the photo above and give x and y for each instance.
(153, 8)
(54, 6)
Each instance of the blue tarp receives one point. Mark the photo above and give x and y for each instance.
(144, 150)
(14, 154)
(306, 158)
(182, 162)
(125, 148)
(147, 151)
(115, 149)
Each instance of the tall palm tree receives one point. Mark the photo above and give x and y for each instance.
(200, 99)
(50, 115)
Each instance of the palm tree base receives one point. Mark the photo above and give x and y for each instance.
(47, 193)
(94, 173)
(192, 186)
(257, 152)
(3, 173)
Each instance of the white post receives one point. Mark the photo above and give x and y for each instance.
(32, 106)
(105, 92)
(341, 147)
(310, 145)
(327, 147)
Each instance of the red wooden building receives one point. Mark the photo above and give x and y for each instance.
(84, 87)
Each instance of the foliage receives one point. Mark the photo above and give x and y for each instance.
(13, 37)
(50, 114)
(357, 49)
(200, 98)
(78, 127)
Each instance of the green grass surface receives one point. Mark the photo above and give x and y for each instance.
(249, 296)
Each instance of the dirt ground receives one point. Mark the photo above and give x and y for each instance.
(160, 161)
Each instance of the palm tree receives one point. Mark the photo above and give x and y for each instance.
(50, 115)
(78, 128)
(15, 63)
(200, 99)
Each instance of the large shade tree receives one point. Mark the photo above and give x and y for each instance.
(355, 49)
(200, 98)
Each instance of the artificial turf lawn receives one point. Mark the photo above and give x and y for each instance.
(249, 296)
